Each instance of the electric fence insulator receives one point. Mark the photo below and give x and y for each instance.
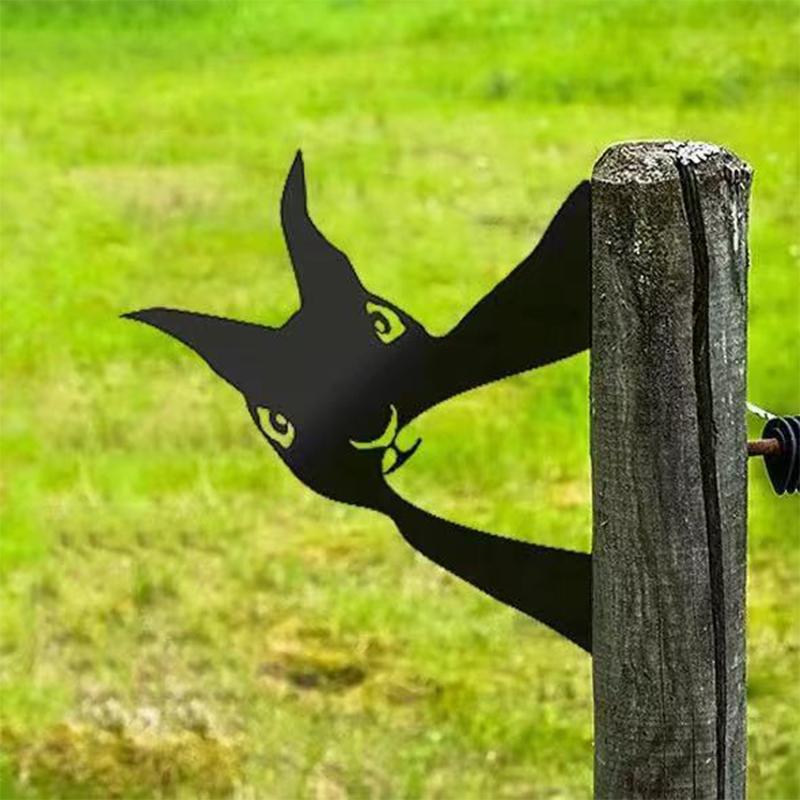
(783, 464)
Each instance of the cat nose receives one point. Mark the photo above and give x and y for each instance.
(385, 439)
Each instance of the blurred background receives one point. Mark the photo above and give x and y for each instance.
(179, 616)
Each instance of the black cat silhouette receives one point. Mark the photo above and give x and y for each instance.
(332, 387)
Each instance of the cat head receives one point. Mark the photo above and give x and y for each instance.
(330, 389)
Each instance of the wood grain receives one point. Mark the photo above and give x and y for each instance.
(669, 291)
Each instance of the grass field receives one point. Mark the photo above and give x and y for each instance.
(180, 617)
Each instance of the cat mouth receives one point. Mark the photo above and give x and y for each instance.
(400, 456)
(393, 457)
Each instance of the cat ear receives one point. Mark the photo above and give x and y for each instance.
(323, 272)
(239, 352)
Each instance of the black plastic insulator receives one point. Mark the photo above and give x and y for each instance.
(784, 469)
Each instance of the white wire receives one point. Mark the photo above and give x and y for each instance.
(759, 412)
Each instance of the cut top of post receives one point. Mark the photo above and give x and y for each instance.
(656, 161)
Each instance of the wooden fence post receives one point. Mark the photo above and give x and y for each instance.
(669, 240)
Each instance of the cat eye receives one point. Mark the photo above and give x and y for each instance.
(385, 322)
(276, 426)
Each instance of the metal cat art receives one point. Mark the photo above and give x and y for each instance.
(331, 389)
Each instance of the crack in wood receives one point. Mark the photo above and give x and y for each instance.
(707, 447)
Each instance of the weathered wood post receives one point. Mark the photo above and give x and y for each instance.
(668, 438)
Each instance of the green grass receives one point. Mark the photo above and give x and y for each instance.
(180, 616)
